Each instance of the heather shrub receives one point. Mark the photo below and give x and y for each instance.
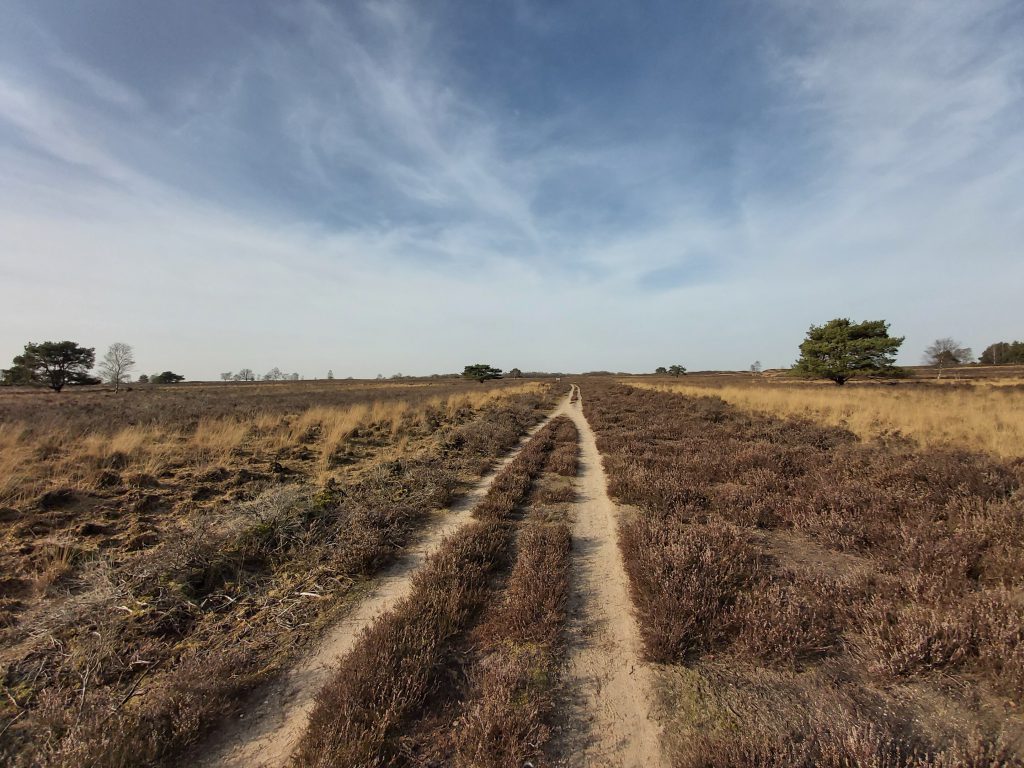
(785, 619)
(684, 579)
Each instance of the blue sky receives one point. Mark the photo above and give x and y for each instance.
(408, 187)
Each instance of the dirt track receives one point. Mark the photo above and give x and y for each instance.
(609, 717)
(609, 688)
(268, 731)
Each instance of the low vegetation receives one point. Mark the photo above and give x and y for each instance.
(816, 600)
(398, 697)
(807, 597)
(980, 417)
(163, 558)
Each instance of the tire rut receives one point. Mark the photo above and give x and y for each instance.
(608, 687)
(267, 732)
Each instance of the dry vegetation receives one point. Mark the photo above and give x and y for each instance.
(463, 671)
(815, 600)
(166, 550)
(983, 415)
(810, 599)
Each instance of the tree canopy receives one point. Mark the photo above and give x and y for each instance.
(481, 372)
(677, 370)
(943, 353)
(841, 349)
(167, 377)
(116, 364)
(1003, 353)
(53, 363)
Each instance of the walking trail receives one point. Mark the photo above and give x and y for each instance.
(265, 735)
(610, 722)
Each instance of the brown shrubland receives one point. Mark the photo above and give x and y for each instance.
(984, 415)
(190, 554)
(401, 666)
(505, 713)
(837, 600)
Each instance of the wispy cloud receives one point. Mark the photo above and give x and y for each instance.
(344, 178)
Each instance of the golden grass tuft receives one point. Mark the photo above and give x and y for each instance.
(215, 439)
(974, 417)
(31, 463)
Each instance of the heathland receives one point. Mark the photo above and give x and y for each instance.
(979, 413)
(710, 571)
(167, 549)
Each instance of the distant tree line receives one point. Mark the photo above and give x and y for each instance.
(1003, 353)
(672, 370)
(57, 364)
(841, 349)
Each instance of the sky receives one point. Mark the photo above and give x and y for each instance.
(385, 187)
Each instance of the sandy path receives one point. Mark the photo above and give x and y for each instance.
(266, 734)
(609, 688)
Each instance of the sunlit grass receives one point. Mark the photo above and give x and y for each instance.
(983, 417)
(31, 462)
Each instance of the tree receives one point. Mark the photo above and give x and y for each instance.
(167, 377)
(515, 373)
(661, 370)
(143, 379)
(227, 376)
(17, 376)
(841, 349)
(481, 372)
(245, 374)
(944, 353)
(55, 364)
(116, 364)
(677, 370)
(755, 367)
(330, 373)
(1003, 353)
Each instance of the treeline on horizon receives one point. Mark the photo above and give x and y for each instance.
(56, 364)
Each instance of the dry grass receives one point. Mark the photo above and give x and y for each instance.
(398, 664)
(164, 568)
(37, 458)
(509, 703)
(979, 417)
(825, 601)
(504, 712)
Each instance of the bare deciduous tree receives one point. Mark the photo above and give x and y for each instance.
(115, 366)
(944, 353)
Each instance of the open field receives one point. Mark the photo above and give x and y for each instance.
(168, 549)
(327, 577)
(982, 414)
(814, 600)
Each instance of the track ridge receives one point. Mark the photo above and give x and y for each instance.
(267, 733)
(608, 687)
